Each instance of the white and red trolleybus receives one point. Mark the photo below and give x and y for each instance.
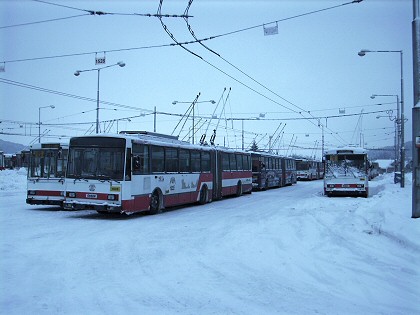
(346, 172)
(266, 171)
(288, 166)
(46, 173)
(142, 171)
(306, 169)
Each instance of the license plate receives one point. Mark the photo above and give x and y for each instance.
(92, 196)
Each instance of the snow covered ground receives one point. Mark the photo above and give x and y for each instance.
(282, 251)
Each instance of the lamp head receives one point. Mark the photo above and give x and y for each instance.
(212, 101)
(174, 102)
(373, 96)
(121, 64)
(363, 52)
(52, 106)
(77, 73)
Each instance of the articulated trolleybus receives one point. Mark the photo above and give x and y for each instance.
(346, 172)
(46, 174)
(142, 171)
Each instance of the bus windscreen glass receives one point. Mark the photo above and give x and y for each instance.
(96, 162)
(353, 165)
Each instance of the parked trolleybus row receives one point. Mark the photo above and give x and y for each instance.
(11, 161)
(147, 172)
(309, 169)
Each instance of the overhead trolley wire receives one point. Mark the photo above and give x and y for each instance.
(44, 21)
(171, 44)
(88, 13)
(41, 89)
(262, 85)
(92, 12)
(60, 5)
(285, 19)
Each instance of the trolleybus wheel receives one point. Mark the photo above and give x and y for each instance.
(239, 189)
(203, 195)
(155, 203)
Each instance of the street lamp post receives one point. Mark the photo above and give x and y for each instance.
(362, 53)
(39, 120)
(193, 113)
(77, 73)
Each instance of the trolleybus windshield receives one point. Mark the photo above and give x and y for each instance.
(303, 166)
(96, 158)
(46, 163)
(353, 165)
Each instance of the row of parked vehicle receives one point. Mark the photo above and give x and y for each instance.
(130, 173)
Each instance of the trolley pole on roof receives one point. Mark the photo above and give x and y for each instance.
(39, 120)
(416, 110)
(154, 122)
(242, 134)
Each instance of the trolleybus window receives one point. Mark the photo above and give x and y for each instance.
(205, 161)
(140, 159)
(232, 159)
(225, 162)
(239, 162)
(195, 161)
(96, 162)
(47, 163)
(184, 161)
(353, 165)
(171, 160)
(158, 154)
(247, 163)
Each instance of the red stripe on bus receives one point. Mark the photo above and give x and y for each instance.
(52, 193)
(91, 196)
(236, 174)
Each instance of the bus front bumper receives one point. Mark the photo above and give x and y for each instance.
(103, 207)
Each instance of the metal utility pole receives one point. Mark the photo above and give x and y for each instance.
(416, 110)
(402, 125)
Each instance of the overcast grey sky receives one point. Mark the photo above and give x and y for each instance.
(310, 69)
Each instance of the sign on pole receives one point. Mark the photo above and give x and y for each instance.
(99, 60)
(271, 30)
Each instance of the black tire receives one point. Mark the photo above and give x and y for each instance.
(203, 195)
(155, 203)
(239, 189)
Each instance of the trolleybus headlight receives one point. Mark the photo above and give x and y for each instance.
(360, 185)
(113, 197)
(71, 194)
(330, 185)
(31, 192)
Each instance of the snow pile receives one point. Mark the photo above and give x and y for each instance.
(13, 180)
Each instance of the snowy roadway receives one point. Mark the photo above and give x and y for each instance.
(282, 251)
